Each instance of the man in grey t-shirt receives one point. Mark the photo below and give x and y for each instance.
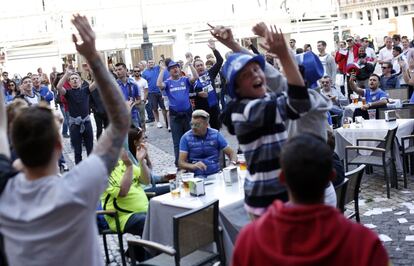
(45, 219)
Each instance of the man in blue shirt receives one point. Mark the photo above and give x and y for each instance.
(375, 97)
(154, 94)
(200, 147)
(130, 91)
(41, 90)
(177, 89)
(205, 95)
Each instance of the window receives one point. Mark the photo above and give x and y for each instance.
(395, 9)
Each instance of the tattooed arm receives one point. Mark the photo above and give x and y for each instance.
(110, 143)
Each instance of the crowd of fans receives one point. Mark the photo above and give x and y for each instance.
(278, 106)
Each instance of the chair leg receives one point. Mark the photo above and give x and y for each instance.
(395, 173)
(356, 204)
(105, 248)
(387, 181)
(121, 249)
(405, 170)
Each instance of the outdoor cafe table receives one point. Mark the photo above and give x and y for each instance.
(350, 108)
(372, 129)
(232, 215)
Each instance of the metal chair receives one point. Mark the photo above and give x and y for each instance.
(407, 152)
(340, 191)
(403, 112)
(353, 189)
(400, 93)
(106, 231)
(193, 231)
(386, 158)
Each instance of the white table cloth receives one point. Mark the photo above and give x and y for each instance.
(372, 129)
(232, 215)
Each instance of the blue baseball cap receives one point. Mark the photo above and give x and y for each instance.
(234, 63)
(172, 64)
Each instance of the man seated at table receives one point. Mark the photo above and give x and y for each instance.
(200, 147)
(304, 231)
(335, 95)
(375, 97)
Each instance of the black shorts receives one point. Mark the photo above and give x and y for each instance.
(155, 100)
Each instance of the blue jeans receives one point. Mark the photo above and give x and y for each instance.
(76, 138)
(180, 123)
(150, 114)
(65, 125)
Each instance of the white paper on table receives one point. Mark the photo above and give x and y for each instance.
(411, 227)
(400, 213)
(409, 238)
(409, 205)
(370, 226)
(406, 192)
(385, 238)
(387, 210)
(184, 202)
(402, 220)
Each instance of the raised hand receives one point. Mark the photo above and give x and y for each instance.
(222, 34)
(275, 42)
(141, 152)
(211, 44)
(260, 29)
(87, 46)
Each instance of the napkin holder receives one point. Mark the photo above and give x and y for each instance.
(390, 115)
(196, 187)
(230, 175)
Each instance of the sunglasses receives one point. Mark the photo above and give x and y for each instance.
(137, 71)
(195, 125)
(384, 67)
(349, 40)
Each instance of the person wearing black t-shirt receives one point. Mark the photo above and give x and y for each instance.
(80, 126)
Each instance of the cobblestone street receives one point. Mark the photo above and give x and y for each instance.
(392, 219)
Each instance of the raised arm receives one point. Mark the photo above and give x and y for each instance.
(193, 73)
(160, 82)
(61, 82)
(110, 143)
(275, 43)
(354, 87)
(225, 36)
(4, 142)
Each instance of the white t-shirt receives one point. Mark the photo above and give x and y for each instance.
(52, 220)
(385, 54)
(350, 57)
(142, 84)
(323, 61)
(370, 52)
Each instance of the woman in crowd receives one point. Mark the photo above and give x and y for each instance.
(125, 193)
(12, 92)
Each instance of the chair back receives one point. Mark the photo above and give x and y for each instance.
(195, 229)
(400, 93)
(340, 191)
(402, 113)
(354, 183)
(389, 140)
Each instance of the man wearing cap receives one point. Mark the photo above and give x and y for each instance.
(204, 92)
(177, 89)
(200, 147)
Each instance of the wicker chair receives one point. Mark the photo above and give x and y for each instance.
(193, 230)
